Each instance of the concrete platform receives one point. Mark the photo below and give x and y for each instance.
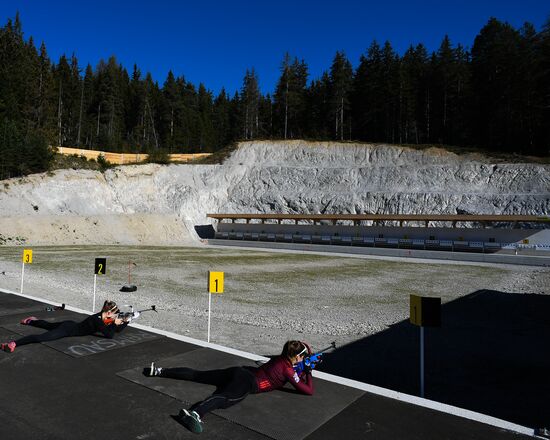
(48, 393)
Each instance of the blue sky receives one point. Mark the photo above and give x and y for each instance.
(214, 42)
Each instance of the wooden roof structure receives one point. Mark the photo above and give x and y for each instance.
(401, 218)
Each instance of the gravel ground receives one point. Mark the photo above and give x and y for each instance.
(269, 297)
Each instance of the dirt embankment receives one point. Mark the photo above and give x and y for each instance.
(155, 204)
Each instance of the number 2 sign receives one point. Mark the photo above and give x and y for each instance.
(100, 266)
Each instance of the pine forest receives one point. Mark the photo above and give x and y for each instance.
(494, 96)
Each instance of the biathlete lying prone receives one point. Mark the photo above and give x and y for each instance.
(235, 383)
(105, 322)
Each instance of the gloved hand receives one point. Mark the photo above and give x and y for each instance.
(133, 316)
(307, 369)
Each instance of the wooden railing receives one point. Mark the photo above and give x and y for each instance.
(125, 158)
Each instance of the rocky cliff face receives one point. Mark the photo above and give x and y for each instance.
(154, 204)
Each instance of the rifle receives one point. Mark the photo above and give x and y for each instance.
(312, 360)
(129, 316)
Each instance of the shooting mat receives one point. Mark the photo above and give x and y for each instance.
(281, 414)
(79, 346)
(13, 304)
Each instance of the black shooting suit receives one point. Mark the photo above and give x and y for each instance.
(57, 330)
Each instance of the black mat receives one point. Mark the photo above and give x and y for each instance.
(282, 414)
(79, 346)
(12, 304)
(42, 313)
(381, 418)
(6, 335)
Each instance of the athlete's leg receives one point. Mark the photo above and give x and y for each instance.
(239, 383)
(46, 325)
(209, 377)
(62, 330)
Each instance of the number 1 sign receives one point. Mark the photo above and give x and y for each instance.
(215, 285)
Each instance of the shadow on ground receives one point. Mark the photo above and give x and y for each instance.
(491, 355)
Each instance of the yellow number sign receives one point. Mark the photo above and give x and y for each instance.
(425, 311)
(416, 310)
(215, 282)
(27, 256)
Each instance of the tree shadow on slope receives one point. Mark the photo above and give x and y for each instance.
(491, 355)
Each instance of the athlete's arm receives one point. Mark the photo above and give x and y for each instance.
(303, 383)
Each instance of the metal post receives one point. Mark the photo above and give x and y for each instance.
(209, 304)
(421, 361)
(93, 303)
(22, 276)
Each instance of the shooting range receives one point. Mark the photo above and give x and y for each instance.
(215, 285)
(425, 312)
(27, 259)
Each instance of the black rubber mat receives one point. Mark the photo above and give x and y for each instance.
(13, 304)
(41, 313)
(6, 335)
(381, 418)
(282, 414)
(86, 345)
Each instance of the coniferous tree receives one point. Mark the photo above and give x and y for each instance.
(221, 119)
(299, 112)
(250, 100)
(135, 113)
(191, 117)
(265, 116)
(44, 89)
(369, 97)
(495, 78)
(542, 84)
(318, 104)
(23, 147)
(414, 97)
(390, 90)
(68, 93)
(207, 137)
(527, 97)
(289, 99)
(341, 76)
(282, 97)
(169, 111)
(150, 130)
(86, 121)
(235, 116)
(442, 98)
